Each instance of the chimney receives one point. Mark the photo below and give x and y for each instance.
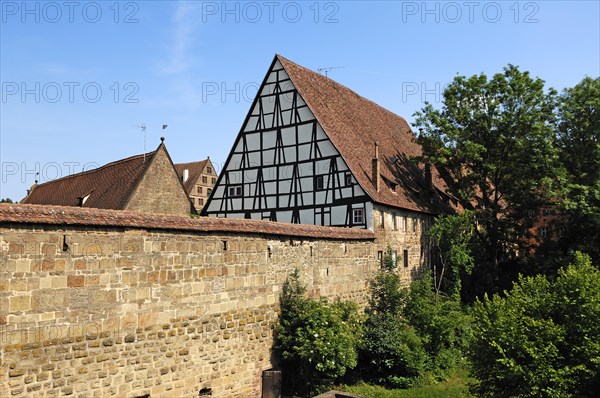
(376, 168)
(186, 175)
(428, 181)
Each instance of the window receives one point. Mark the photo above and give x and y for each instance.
(381, 220)
(208, 191)
(200, 190)
(319, 182)
(204, 179)
(380, 257)
(358, 216)
(405, 255)
(209, 169)
(544, 232)
(234, 191)
(404, 224)
(200, 201)
(395, 219)
(348, 179)
(214, 180)
(548, 212)
(395, 257)
(414, 224)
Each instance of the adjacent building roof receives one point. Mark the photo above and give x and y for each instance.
(146, 182)
(72, 216)
(355, 125)
(195, 170)
(108, 187)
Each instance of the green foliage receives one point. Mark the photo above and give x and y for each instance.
(579, 143)
(316, 339)
(440, 322)
(391, 353)
(455, 387)
(387, 295)
(451, 235)
(7, 200)
(541, 339)
(493, 141)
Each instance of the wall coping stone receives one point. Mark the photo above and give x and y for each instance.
(76, 216)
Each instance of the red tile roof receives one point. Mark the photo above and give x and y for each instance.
(109, 186)
(195, 169)
(77, 216)
(354, 124)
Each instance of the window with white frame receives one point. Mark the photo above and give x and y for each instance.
(358, 216)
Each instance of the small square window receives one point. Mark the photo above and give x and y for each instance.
(204, 179)
(318, 182)
(209, 169)
(200, 201)
(199, 189)
(214, 180)
(235, 191)
(358, 216)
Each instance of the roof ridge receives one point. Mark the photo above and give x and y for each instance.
(327, 78)
(149, 154)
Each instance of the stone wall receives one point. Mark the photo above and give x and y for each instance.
(404, 230)
(106, 303)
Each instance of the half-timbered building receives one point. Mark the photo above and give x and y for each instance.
(312, 151)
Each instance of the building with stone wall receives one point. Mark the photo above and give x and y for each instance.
(312, 151)
(147, 183)
(124, 304)
(198, 180)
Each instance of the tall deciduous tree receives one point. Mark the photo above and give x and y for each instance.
(579, 143)
(493, 141)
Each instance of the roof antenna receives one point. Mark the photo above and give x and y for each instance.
(143, 127)
(327, 69)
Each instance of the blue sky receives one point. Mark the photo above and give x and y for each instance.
(77, 77)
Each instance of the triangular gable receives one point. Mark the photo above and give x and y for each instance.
(284, 167)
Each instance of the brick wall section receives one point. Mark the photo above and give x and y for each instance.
(160, 190)
(109, 303)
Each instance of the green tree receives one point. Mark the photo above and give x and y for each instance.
(541, 338)
(440, 323)
(7, 200)
(391, 353)
(493, 142)
(451, 235)
(315, 339)
(579, 142)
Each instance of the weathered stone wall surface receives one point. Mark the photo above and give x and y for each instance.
(98, 310)
(404, 230)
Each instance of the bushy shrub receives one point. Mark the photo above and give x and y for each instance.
(440, 322)
(542, 338)
(315, 339)
(391, 352)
